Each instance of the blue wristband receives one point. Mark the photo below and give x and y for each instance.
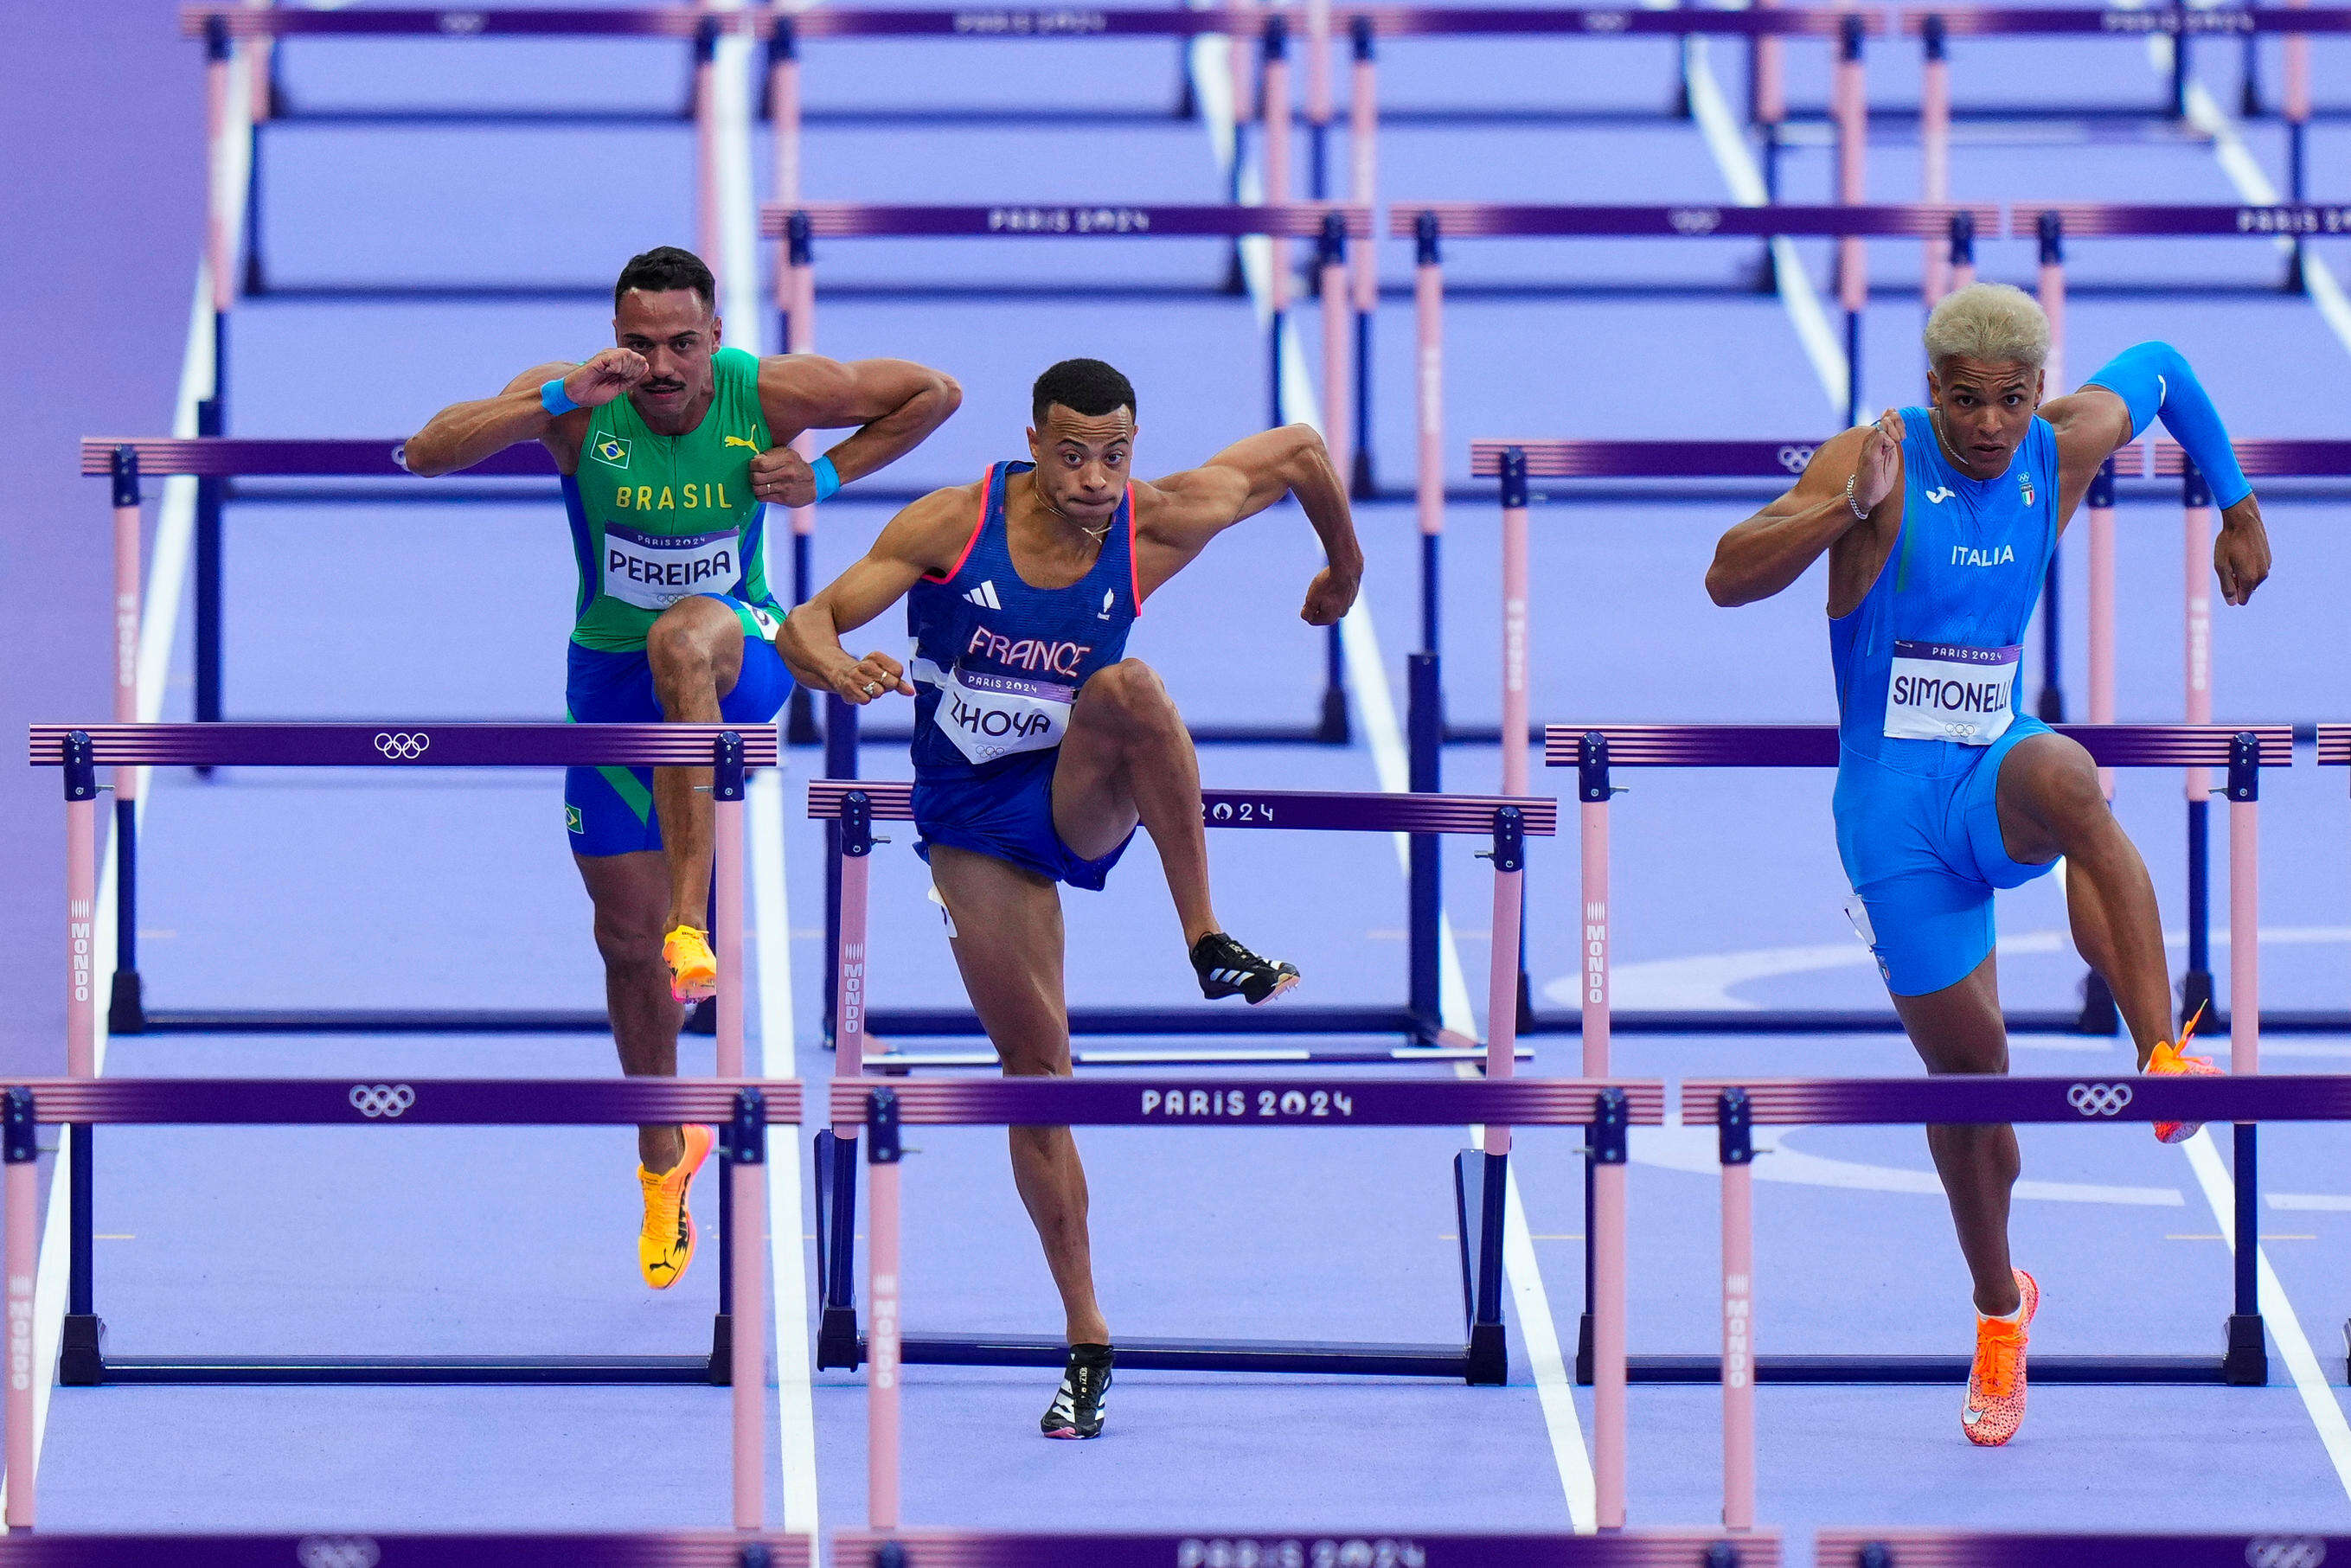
(828, 478)
(2153, 379)
(552, 398)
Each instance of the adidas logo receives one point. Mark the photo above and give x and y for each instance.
(984, 595)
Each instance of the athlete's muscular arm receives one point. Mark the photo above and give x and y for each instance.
(1776, 546)
(1177, 516)
(2092, 425)
(894, 403)
(927, 536)
(465, 433)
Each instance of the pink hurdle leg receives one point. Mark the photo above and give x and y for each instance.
(1739, 1346)
(223, 204)
(1318, 64)
(2196, 608)
(1935, 170)
(784, 112)
(727, 864)
(1608, 1344)
(882, 1346)
(1853, 146)
(1338, 340)
(1595, 938)
(23, 1200)
(747, 1365)
(1244, 85)
(1515, 655)
(81, 932)
(2102, 627)
(2245, 937)
(848, 992)
(1276, 121)
(1428, 322)
(706, 162)
(1502, 991)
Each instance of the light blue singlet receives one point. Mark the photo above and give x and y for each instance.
(1926, 671)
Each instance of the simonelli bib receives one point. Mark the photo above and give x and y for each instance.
(1926, 665)
(997, 663)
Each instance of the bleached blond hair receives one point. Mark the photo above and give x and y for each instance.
(1991, 321)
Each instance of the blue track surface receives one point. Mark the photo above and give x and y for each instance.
(277, 890)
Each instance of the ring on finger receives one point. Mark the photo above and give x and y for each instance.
(873, 689)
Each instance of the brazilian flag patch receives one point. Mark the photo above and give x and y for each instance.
(572, 819)
(611, 449)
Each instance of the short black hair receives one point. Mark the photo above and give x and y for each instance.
(662, 268)
(1081, 386)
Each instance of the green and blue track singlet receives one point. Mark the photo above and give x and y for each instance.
(656, 519)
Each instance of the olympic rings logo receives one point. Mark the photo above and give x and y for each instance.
(381, 1100)
(399, 745)
(2285, 1552)
(2098, 1099)
(1794, 458)
(460, 23)
(1695, 220)
(337, 1552)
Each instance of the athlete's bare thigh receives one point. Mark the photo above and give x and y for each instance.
(1008, 941)
(1122, 714)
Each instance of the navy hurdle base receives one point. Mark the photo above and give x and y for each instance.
(1495, 1105)
(1596, 751)
(78, 753)
(745, 1109)
(2128, 1100)
(854, 806)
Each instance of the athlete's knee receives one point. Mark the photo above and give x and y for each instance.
(629, 938)
(683, 644)
(1129, 696)
(2058, 783)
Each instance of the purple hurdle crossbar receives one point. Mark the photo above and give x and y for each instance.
(884, 1108)
(1332, 225)
(676, 1549)
(80, 1102)
(1996, 1549)
(1596, 751)
(1736, 1106)
(1403, 1549)
(79, 751)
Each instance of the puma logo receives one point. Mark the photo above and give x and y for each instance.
(738, 441)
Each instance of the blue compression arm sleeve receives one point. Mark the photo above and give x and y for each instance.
(828, 478)
(2154, 379)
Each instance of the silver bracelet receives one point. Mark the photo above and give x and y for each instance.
(1859, 513)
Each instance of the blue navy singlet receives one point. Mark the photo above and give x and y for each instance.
(997, 660)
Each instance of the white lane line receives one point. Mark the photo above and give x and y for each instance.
(738, 282)
(175, 518)
(1727, 143)
(2246, 172)
(2277, 1311)
(1375, 705)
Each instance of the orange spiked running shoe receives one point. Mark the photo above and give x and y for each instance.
(665, 1243)
(2169, 1060)
(693, 967)
(1995, 1403)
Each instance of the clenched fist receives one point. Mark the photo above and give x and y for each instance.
(605, 377)
(1328, 598)
(781, 476)
(1881, 461)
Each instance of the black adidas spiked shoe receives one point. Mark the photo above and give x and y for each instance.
(1084, 1396)
(1229, 969)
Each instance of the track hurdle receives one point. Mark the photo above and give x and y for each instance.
(2000, 1548)
(2296, 22)
(1330, 225)
(879, 1548)
(677, 1549)
(81, 1103)
(78, 752)
(1736, 1106)
(1496, 1106)
(1596, 751)
(1506, 822)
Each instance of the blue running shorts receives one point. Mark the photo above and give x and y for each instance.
(609, 810)
(1005, 810)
